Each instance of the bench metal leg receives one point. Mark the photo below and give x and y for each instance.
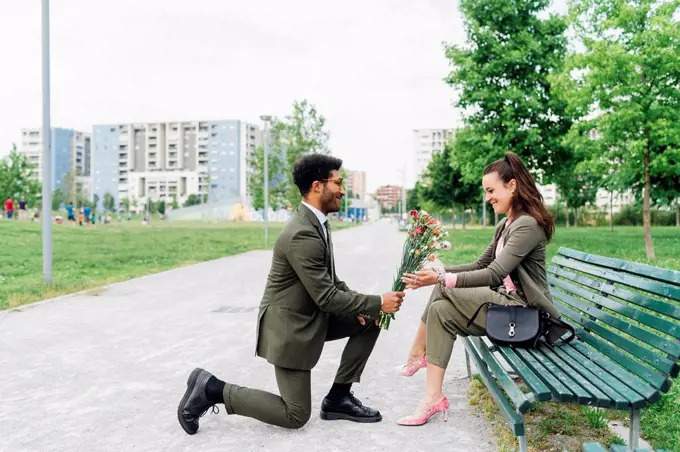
(522, 439)
(522, 443)
(467, 364)
(634, 438)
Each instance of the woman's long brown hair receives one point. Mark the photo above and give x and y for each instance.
(526, 198)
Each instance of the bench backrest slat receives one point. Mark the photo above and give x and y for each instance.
(655, 359)
(630, 312)
(659, 342)
(631, 364)
(657, 288)
(656, 322)
(646, 271)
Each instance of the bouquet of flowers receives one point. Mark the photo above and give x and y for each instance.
(422, 244)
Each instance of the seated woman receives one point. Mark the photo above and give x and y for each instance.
(510, 272)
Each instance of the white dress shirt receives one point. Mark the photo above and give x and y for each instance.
(320, 215)
(322, 219)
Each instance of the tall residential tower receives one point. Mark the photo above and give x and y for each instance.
(165, 160)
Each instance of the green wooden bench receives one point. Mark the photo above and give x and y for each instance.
(597, 447)
(627, 346)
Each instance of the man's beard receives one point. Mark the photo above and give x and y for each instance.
(329, 203)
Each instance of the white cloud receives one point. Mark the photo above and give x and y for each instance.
(374, 69)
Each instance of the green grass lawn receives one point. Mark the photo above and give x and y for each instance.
(85, 258)
(554, 422)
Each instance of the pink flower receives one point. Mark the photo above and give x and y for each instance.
(446, 245)
(419, 230)
(436, 245)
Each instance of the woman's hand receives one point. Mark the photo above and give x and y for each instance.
(419, 279)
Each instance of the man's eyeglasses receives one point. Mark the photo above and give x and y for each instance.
(339, 181)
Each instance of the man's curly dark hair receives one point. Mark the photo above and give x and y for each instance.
(313, 167)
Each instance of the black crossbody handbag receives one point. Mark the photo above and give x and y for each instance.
(519, 326)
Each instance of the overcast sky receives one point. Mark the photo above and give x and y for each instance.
(373, 68)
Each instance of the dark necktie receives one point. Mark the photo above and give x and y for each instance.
(327, 224)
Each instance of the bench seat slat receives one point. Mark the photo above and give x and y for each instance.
(656, 359)
(532, 380)
(523, 402)
(583, 397)
(650, 375)
(648, 271)
(655, 287)
(605, 396)
(593, 447)
(598, 397)
(622, 396)
(514, 420)
(558, 390)
(640, 386)
(671, 328)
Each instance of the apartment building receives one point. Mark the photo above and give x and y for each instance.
(163, 160)
(356, 184)
(427, 142)
(602, 199)
(549, 193)
(388, 196)
(71, 153)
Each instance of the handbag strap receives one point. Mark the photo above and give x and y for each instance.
(565, 325)
(474, 316)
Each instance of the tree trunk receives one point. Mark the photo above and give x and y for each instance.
(566, 216)
(677, 214)
(611, 211)
(646, 209)
(484, 213)
(495, 218)
(575, 217)
(453, 213)
(463, 215)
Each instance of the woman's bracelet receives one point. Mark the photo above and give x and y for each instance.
(441, 277)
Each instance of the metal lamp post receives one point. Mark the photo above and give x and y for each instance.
(47, 147)
(266, 119)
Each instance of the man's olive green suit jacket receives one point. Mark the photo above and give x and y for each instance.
(302, 294)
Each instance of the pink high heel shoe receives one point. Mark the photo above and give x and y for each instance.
(425, 412)
(411, 367)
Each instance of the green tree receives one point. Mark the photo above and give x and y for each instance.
(298, 134)
(276, 171)
(58, 198)
(18, 178)
(444, 185)
(109, 202)
(192, 200)
(414, 197)
(160, 207)
(73, 191)
(627, 77)
(580, 177)
(439, 181)
(305, 133)
(466, 193)
(125, 204)
(502, 76)
(175, 203)
(347, 199)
